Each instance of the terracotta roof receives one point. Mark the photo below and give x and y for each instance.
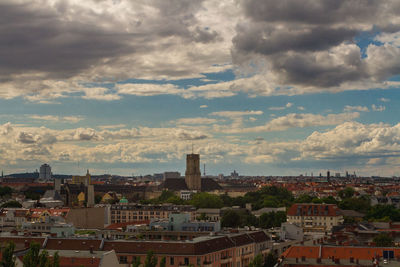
(260, 236)
(73, 244)
(241, 239)
(361, 253)
(175, 184)
(308, 209)
(170, 247)
(37, 212)
(22, 242)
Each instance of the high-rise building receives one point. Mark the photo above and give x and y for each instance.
(45, 172)
(192, 174)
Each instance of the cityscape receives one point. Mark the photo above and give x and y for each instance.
(188, 133)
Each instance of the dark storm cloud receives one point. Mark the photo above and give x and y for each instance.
(269, 40)
(305, 69)
(311, 42)
(61, 41)
(311, 11)
(38, 40)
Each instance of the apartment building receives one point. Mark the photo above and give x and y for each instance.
(120, 213)
(315, 217)
(208, 251)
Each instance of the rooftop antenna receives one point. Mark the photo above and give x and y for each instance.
(204, 169)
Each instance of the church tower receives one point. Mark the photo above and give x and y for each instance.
(192, 174)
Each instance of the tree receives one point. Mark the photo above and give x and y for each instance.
(35, 259)
(383, 240)
(206, 200)
(151, 260)
(230, 218)
(202, 217)
(12, 204)
(272, 219)
(136, 262)
(163, 262)
(5, 191)
(270, 260)
(348, 192)
(257, 261)
(56, 260)
(97, 199)
(379, 212)
(8, 258)
(303, 199)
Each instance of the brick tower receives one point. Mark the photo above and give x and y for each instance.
(192, 174)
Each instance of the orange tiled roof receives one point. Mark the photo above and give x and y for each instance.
(360, 253)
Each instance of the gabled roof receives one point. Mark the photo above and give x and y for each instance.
(241, 239)
(311, 209)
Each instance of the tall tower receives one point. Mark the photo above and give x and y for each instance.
(193, 174)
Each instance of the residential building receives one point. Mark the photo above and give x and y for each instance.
(139, 212)
(212, 215)
(315, 217)
(207, 251)
(329, 256)
(182, 222)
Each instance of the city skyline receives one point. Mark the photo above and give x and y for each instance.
(261, 87)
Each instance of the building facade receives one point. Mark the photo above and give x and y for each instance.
(45, 172)
(138, 212)
(315, 217)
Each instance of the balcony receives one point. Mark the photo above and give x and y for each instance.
(226, 259)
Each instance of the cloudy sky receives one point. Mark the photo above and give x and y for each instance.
(264, 87)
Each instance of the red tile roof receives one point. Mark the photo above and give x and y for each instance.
(73, 244)
(307, 209)
(361, 253)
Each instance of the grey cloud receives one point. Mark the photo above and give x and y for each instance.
(267, 40)
(312, 43)
(205, 35)
(43, 42)
(40, 40)
(311, 11)
(309, 69)
(26, 138)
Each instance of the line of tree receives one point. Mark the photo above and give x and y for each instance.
(33, 258)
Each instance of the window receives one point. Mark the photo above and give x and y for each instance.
(123, 259)
(186, 261)
(171, 261)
